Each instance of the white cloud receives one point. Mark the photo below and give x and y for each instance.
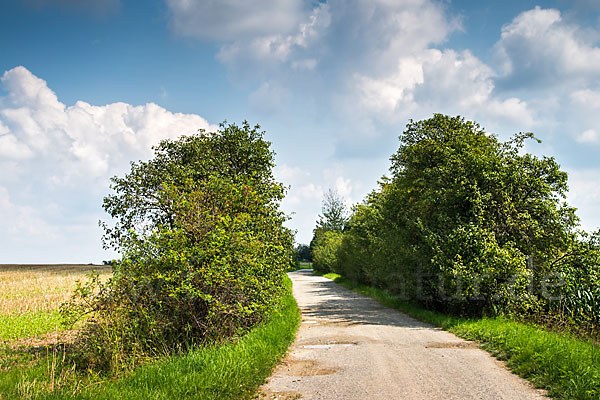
(441, 81)
(279, 47)
(587, 98)
(512, 111)
(22, 221)
(11, 148)
(584, 193)
(589, 136)
(54, 154)
(539, 48)
(287, 173)
(85, 140)
(307, 64)
(230, 19)
(269, 98)
(344, 187)
(391, 93)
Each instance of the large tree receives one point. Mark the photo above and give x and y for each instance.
(203, 243)
(465, 220)
(334, 213)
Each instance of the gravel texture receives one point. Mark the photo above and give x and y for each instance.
(351, 347)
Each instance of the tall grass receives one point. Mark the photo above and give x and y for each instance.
(568, 367)
(230, 371)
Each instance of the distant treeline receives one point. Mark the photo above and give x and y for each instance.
(469, 225)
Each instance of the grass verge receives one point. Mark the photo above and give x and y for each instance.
(233, 370)
(300, 265)
(569, 368)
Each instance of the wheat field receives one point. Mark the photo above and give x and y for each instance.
(28, 289)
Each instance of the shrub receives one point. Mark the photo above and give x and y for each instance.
(464, 224)
(326, 245)
(204, 249)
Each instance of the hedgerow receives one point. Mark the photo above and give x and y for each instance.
(471, 225)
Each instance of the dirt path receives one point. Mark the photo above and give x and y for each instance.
(351, 347)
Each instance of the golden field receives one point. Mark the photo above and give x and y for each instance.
(26, 289)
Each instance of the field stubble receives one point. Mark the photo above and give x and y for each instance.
(30, 296)
(28, 289)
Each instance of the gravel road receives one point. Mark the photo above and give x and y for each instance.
(351, 347)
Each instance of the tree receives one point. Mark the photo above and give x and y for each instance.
(325, 252)
(203, 244)
(460, 217)
(328, 232)
(334, 212)
(303, 252)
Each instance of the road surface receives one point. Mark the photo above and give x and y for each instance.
(351, 347)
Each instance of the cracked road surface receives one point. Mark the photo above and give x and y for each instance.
(351, 347)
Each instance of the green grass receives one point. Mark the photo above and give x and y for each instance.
(300, 265)
(233, 370)
(29, 324)
(569, 368)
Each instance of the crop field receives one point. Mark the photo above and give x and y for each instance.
(34, 348)
(30, 296)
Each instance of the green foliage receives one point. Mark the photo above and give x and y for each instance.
(328, 232)
(333, 217)
(230, 370)
(233, 370)
(303, 253)
(29, 324)
(470, 225)
(325, 251)
(574, 284)
(204, 249)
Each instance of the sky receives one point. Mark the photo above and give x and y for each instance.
(87, 86)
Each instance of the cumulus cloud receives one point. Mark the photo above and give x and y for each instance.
(584, 193)
(62, 155)
(85, 140)
(441, 81)
(279, 46)
(587, 98)
(539, 48)
(589, 136)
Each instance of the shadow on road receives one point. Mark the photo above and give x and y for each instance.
(324, 299)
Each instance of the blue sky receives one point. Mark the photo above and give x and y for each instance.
(87, 86)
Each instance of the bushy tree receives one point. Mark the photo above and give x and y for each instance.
(303, 252)
(203, 243)
(325, 252)
(464, 223)
(334, 212)
(328, 232)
